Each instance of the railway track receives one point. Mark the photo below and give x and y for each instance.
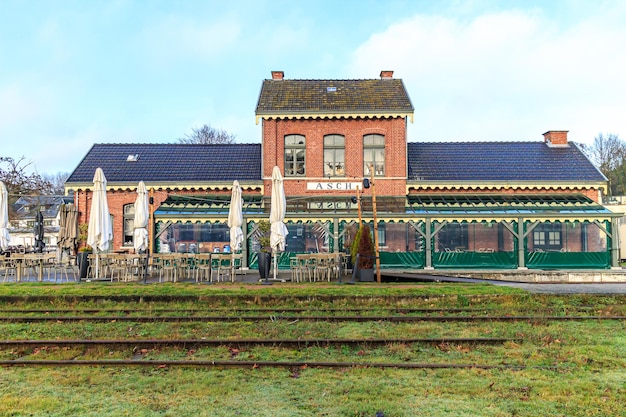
(299, 343)
(351, 352)
(277, 317)
(294, 365)
(140, 360)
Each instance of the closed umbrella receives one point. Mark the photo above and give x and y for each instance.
(140, 224)
(68, 226)
(39, 232)
(100, 231)
(277, 215)
(5, 238)
(235, 217)
(62, 223)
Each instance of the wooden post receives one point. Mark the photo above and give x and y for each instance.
(358, 202)
(375, 224)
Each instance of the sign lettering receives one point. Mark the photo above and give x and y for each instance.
(333, 186)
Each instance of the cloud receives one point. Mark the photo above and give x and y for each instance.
(510, 75)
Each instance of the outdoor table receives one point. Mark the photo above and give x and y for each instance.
(38, 259)
(18, 261)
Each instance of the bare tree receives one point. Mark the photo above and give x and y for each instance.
(57, 181)
(608, 153)
(18, 182)
(207, 135)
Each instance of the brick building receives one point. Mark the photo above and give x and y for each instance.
(439, 205)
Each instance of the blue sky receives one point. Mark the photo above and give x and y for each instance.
(75, 73)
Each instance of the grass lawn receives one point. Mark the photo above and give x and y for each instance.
(576, 368)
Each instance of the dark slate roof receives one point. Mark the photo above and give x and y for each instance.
(27, 206)
(333, 96)
(171, 162)
(498, 161)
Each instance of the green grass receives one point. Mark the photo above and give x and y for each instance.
(577, 367)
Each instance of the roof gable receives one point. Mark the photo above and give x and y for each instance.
(498, 161)
(170, 163)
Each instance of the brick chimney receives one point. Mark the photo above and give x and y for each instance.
(277, 75)
(386, 75)
(556, 137)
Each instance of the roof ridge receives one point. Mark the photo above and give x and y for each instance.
(167, 143)
(476, 141)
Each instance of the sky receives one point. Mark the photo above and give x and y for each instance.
(75, 73)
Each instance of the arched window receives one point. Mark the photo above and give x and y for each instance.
(129, 223)
(295, 153)
(374, 154)
(334, 156)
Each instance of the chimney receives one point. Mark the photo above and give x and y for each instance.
(277, 75)
(386, 75)
(556, 137)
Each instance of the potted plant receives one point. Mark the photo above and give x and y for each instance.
(264, 253)
(82, 255)
(364, 247)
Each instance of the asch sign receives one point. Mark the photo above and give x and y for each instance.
(333, 186)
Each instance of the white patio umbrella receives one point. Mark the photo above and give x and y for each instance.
(235, 217)
(100, 231)
(278, 209)
(5, 238)
(140, 223)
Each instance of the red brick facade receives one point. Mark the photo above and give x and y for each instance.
(314, 130)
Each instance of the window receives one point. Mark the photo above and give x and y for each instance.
(453, 237)
(129, 224)
(295, 151)
(334, 156)
(547, 236)
(374, 154)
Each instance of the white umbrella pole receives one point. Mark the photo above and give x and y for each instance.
(97, 262)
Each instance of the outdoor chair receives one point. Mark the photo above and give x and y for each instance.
(166, 265)
(118, 267)
(63, 268)
(225, 267)
(7, 268)
(203, 267)
(322, 267)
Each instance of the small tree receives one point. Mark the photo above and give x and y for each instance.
(263, 232)
(366, 249)
(81, 239)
